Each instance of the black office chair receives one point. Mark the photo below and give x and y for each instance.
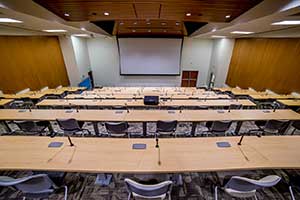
(272, 127)
(27, 103)
(71, 126)
(117, 129)
(218, 127)
(296, 126)
(52, 97)
(32, 127)
(166, 128)
(38, 186)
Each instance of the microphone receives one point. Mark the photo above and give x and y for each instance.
(157, 146)
(70, 141)
(240, 142)
(275, 106)
(126, 107)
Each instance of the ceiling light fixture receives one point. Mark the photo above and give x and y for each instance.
(81, 35)
(177, 23)
(148, 23)
(67, 14)
(135, 23)
(121, 23)
(165, 31)
(214, 30)
(55, 31)
(9, 20)
(227, 16)
(287, 22)
(188, 14)
(106, 13)
(83, 29)
(133, 30)
(149, 31)
(241, 32)
(218, 36)
(163, 23)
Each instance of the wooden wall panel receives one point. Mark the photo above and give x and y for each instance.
(266, 64)
(32, 62)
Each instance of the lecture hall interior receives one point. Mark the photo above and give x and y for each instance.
(149, 99)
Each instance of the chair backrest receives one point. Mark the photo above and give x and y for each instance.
(251, 89)
(52, 97)
(220, 126)
(44, 89)
(35, 184)
(296, 125)
(242, 184)
(68, 124)
(235, 106)
(1, 93)
(265, 105)
(116, 127)
(23, 91)
(166, 126)
(275, 124)
(270, 91)
(149, 191)
(25, 125)
(58, 87)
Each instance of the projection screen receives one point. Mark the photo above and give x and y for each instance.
(150, 56)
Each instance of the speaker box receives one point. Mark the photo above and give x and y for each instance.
(151, 100)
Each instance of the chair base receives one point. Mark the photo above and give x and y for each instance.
(103, 179)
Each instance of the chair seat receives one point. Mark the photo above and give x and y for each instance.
(239, 194)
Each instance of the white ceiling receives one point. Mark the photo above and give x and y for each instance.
(257, 20)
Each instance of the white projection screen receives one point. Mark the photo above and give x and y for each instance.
(150, 56)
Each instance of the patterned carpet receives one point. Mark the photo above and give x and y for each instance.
(196, 186)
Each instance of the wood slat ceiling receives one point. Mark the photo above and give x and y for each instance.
(157, 11)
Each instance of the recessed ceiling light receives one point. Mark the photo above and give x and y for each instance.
(287, 22)
(55, 31)
(227, 16)
(149, 31)
(83, 29)
(214, 30)
(165, 31)
(148, 23)
(163, 23)
(241, 32)
(67, 14)
(121, 23)
(106, 13)
(188, 14)
(81, 35)
(218, 36)
(133, 30)
(177, 23)
(9, 20)
(135, 23)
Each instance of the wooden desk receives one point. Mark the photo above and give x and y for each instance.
(111, 155)
(145, 116)
(4, 102)
(290, 102)
(72, 89)
(140, 103)
(272, 96)
(131, 96)
(32, 95)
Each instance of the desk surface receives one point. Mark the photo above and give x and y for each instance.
(148, 115)
(290, 102)
(130, 96)
(139, 103)
(272, 96)
(96, 155)
(5, 101)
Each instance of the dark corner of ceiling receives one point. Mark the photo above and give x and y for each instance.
(107, 26)
(191, 27)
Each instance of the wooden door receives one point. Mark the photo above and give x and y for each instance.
(189, 78)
